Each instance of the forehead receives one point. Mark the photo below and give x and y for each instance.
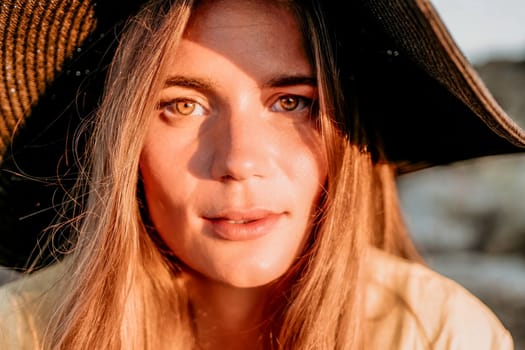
(247, 32)
(243, 12)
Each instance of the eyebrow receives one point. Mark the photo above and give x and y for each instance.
(188, 82)
(290, 80)
(208, 85)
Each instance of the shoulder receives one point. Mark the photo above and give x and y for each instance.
(415, 307)
(25, 306)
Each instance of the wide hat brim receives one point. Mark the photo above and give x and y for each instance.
(423, 100)
(415, 87)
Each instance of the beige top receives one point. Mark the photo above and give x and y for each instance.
(412, 307)
(408, 307)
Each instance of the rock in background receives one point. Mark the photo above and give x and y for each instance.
(468, 218)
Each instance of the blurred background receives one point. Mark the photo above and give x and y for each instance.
(468, 218)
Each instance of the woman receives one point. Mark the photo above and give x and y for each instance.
(238, 199)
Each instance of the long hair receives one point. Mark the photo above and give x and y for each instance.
(123, 291)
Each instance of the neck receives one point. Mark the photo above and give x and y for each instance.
(228, 317)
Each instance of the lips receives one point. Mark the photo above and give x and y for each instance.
(240, 221)
(242, 225)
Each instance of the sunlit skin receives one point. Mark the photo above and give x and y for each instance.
(232, 165)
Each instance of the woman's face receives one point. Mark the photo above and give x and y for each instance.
(233, 164)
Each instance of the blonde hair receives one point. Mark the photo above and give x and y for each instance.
(123, 290)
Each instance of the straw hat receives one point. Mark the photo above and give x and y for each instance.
(415, 88)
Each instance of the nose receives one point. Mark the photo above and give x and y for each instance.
(243, 148)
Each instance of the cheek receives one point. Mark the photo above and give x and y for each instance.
(318, 174)
(310, 173)
(164, 165)
(308, 169)
(153, 175)
(313, 158)
(160, 180)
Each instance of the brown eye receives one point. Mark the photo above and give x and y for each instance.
(182, 107)
(289, 103)
(185, 107)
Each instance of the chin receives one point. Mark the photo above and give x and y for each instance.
(243, 277)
